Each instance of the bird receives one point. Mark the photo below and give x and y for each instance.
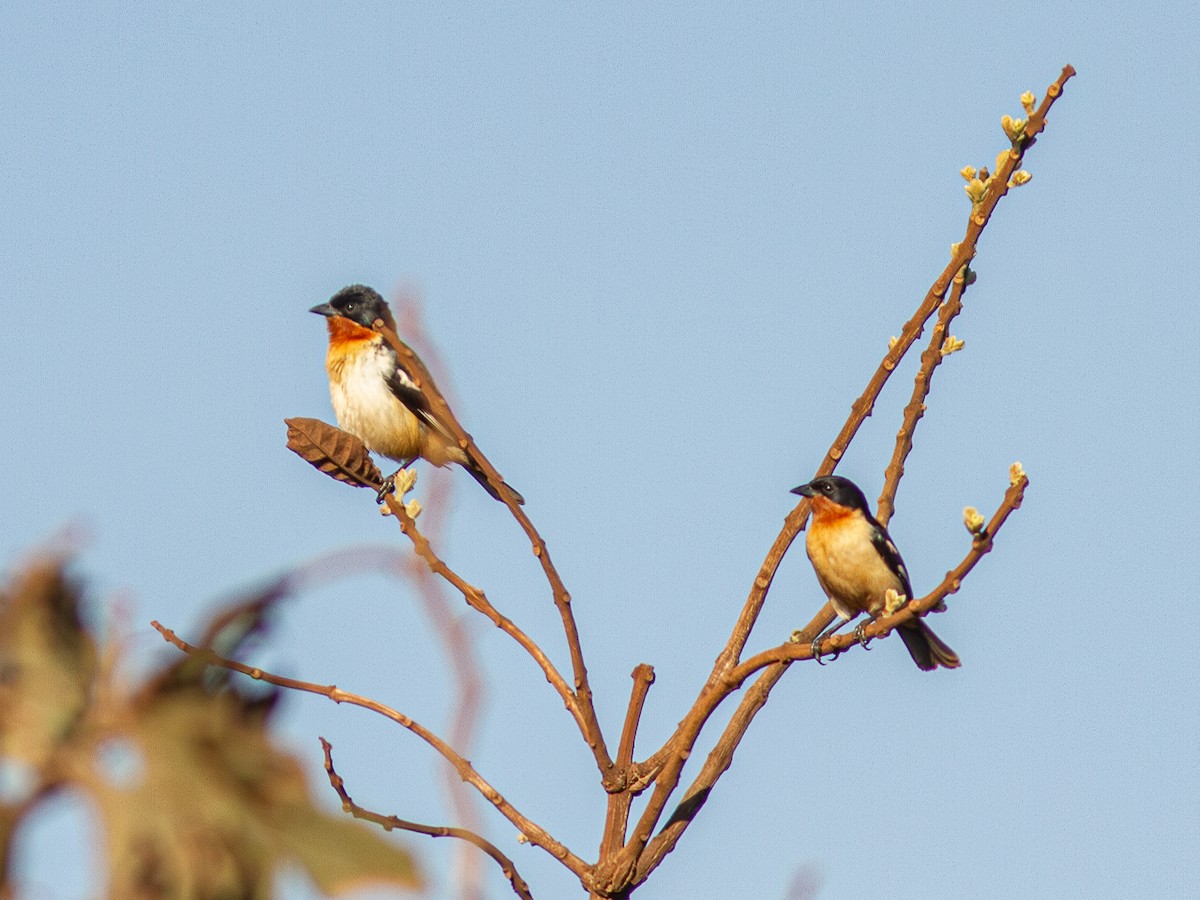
(376, 398)
(857, 563)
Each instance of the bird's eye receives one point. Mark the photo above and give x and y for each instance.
(827, 488)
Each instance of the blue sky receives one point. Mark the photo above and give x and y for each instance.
(661, 251)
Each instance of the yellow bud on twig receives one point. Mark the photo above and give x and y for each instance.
(892, 342)
(1015, 473)
(1027, 101)
(406, 479)
(973, 519)
(951, 345)
(892, 601)
(975, 190)
(1014, 128)
(967, 172)
(1019, 178)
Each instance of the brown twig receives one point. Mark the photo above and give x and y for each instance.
(531, 830)
(452, 628)
(861, 409)
(668, 762)
(625, 863)
(621, 795)
(930, 360)
(520, 888)
(478, 601)
(580, 701)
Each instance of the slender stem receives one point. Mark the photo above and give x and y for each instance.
(532, 831)
(580, 704)
(668, 762)
(612, 871)
(520, 888)
(930, 360)
(478, 601)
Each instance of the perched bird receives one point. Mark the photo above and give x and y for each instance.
(374, 397)
(856, 563)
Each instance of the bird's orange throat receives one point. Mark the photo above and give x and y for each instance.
(825, 511)
(342, 329)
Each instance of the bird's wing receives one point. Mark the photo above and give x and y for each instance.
(887, 550)
(402, 385)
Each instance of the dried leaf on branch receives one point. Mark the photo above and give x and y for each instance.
(337, 453)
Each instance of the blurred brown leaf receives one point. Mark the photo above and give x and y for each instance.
(216, 808)
(337, 453)
(194, 796)
(47, 663)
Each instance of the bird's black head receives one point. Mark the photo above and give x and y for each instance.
(358, 303)
(841, 491)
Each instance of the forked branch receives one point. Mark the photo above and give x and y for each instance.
(531, 830)
(626, 860)
(580, 703)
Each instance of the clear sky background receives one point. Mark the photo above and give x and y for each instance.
(662, 250)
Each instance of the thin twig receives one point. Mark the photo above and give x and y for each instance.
(520, 888)
(453, 627)
(605, 880)
(668, 762)
(862, 407)
(930, 360)
(531, 830)
(580, 704)
(478, 601)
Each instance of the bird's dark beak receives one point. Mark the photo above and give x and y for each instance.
(324, 310)
(805, 490)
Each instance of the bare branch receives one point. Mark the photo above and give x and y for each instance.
(620, 799)
(452, 628)
(580, 703)
(478, 601)
(520, 888)
(668, 763)
(930, 360)
(862, 407)
(532, 831)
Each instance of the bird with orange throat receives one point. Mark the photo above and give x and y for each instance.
(376, 398)
(857, 564)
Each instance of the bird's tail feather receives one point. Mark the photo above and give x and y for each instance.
(478, 475)
(927, 649)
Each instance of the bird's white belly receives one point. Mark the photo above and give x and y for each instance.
(366, 407)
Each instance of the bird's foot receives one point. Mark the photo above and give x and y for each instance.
(819, 656)
(816, 652)
(860, 636)
(389, 484)
(388, 487)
